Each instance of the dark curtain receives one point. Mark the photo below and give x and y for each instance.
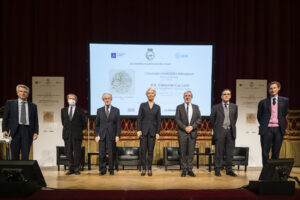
(255, 39)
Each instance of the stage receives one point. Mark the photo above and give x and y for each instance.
(163, 185)
(130, 179)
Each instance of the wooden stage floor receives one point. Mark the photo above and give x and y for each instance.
(130, 179)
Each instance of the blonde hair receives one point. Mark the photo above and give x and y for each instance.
(152, 90)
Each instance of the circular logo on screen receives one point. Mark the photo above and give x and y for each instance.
(150, 54)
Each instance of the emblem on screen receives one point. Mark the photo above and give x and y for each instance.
(113, 55)
(150, 54)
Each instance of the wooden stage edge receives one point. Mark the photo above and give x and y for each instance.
(130, 179)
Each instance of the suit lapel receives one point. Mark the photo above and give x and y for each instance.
(184, 113)
(230, 109)
(269, 105)
(16, 107)
(111, 111)
(75, 113)
(29, 108)
(279, 104)
(193, 115)
(221, 109)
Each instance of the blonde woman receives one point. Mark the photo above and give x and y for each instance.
(149, 120)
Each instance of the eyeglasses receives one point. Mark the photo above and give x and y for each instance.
(226, 94)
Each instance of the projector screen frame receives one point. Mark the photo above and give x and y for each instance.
(213, 44)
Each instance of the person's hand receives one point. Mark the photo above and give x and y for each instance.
(35, 136)
(5, 134)
(157, 136)
(117, 139)
(188, 129)
(139, 133)
(97, 138)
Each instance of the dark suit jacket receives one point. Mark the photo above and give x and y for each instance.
(182, 120)
(74, 127)
(264, 113)
(11, 117)
(217, 117)
(149, 120)
(110, 125)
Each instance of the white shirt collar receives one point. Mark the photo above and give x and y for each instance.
(20, 100)
(223, 103)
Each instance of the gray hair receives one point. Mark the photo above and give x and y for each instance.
(106, 94)
(188, 92)
(22, 86)
(152, 90)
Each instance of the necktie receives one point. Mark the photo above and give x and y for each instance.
(226, 105)
(23, 113)
(274, 101)
(187, 111)
(107, 111)
(70, 113)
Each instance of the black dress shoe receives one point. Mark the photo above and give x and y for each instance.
(70, 172)
(102, 173)
(77, 173)
(111, 172)
(217, 173)
(143, 173)
(191, 173)
(150, 173)
(231, 173)
(183, 174)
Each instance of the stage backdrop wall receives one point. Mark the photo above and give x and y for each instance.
(255, 39)
(248, 93)
(48, 94)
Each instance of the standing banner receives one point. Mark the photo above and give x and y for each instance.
(248, 94)
(48, 94)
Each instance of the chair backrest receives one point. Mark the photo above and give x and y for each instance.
(60, 150)
(172, 151)
(241, 151)
(133, 151)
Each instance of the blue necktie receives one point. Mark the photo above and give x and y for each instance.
(274, 101)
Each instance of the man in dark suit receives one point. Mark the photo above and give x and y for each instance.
(271, 115)
(73, 121)
(223, 119)
(187, 118)
(20, 121)
(107, 133)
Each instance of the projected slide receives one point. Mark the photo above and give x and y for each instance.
(128, 70)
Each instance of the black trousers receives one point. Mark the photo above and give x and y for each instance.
(147, 143)
(224, 146)
(187, 147)
(107, 146)
(73, 153)
(272, 138)
(21, 142)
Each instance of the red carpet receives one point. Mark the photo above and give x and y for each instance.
(153, 194)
